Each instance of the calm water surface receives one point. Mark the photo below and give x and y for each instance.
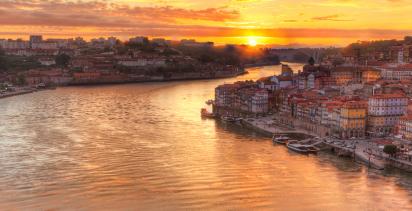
(144, 146)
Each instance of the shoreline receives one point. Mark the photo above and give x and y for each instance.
(261, 64)
(362, 151)
(263, 126)
(101, 83)
(97, 83)
(17, 93)
(154, 80)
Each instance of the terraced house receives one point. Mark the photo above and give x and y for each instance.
(352, 120)
(397, 72)
(405, 127)
(384, 112)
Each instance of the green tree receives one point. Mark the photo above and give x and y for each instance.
(300, 57)
(390, 149)
(62, 60)
(311, 61)
(3, 61)
(170, 52)
(21, 79)
(206, 58)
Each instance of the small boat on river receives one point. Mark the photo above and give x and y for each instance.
(280, 139)
(229, 119)
(301, 148)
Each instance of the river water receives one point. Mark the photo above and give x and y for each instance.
(145, 147)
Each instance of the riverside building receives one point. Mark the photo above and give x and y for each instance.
(384, 112)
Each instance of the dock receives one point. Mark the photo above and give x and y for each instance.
(365, 155)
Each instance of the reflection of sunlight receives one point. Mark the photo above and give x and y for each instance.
(147, 143)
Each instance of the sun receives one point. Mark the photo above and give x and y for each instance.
(252, 41)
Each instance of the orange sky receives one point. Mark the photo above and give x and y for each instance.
(280, 22)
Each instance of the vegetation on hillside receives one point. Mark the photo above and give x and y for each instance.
(17, 63)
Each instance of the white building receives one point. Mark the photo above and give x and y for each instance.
(259, 102)
(405, 127)
(397, 72)
(273, 83)
(400, 57)
(47, 61)
(302, 82)
(310, 84)
(14, 44)
(61, 43)
(384, 112)
(44, 45)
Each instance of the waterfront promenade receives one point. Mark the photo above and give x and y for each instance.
(270, 127)
(364, 151)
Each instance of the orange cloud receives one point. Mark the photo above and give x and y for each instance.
(101, 14)
(330, 18)
(228, 21)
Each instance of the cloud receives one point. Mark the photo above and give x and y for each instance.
(290, 21)
(335, 17)
(101, 14)
(228, 20)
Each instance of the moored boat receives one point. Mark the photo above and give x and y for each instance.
(228, 119)
(280, 139)
(205, 114)
(41, 86)
(294, 146)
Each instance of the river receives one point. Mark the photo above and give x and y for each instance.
(145, 147)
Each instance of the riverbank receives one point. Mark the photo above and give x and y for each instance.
(162, 78)
(272, 127)
(28, 90)
(17, 92)
(262, 64)
(268, 127)
(365, 151)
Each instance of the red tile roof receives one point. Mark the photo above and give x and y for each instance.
(387, 96)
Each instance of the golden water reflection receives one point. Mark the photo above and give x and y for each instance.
(144, 146)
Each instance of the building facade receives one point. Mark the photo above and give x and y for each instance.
(405, 127)
(384, 112)
(401, 72)
(352, 120)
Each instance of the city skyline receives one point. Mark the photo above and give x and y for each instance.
(298, 23)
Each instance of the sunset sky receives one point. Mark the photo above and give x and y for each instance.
(279, 22)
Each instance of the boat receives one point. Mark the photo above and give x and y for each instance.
(41, 86)
(238, 119)
(280, 139)
(228, 119)
(205, 114)
(306, 149)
